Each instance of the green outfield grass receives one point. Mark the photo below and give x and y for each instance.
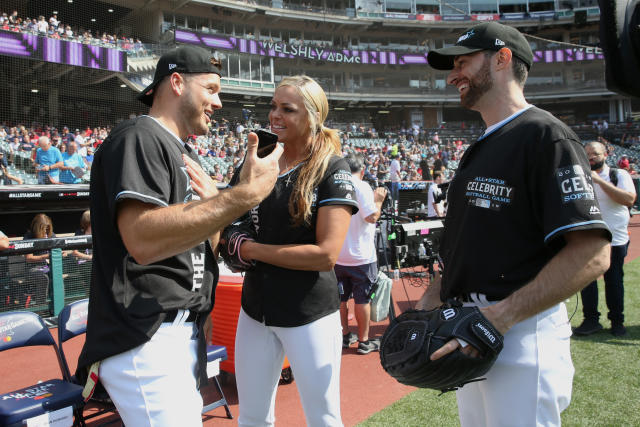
(606, 386)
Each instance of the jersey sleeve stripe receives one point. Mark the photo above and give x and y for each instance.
(348, 201)
(577, 224)
(137, 195)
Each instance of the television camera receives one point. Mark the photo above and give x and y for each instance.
(417, 209)
(418, 243)
(412, 240)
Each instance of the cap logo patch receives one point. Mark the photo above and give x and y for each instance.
(499, 42)
(465, 36)
(172, 66)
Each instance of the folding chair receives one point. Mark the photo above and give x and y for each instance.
(215, 355)
(22, 329)
(72, 322)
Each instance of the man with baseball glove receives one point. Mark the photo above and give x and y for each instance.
(415, 335)
(523, 232)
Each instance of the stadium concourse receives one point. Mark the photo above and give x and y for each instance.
(365, 388)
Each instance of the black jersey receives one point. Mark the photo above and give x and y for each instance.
(140, 160)
(516, 191)
(280, 296)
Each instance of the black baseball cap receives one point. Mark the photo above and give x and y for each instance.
(486, 36)
(185, 59)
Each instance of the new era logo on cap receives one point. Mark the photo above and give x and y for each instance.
(499, 42)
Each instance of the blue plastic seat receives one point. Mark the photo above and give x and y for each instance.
(23, 329)
(72, 322)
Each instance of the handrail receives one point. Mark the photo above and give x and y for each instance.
(21, 247)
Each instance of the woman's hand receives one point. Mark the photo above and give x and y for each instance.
(202, 184)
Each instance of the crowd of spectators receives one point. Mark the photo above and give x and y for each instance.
(54, 28)
(420, 151)
(57, 156)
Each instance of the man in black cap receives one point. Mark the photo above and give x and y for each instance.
(523, 232)
(154, 272)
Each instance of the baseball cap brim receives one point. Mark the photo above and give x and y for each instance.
(442, 59)
(146, 96)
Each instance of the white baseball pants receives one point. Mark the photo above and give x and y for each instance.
(154, 384)
(530, 383)
(314, 351)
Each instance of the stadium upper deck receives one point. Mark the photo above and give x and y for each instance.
(369, 55)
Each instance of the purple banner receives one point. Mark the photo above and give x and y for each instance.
(61, 51)
(567, 55)
(289, 50)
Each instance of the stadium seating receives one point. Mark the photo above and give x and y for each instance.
(22, 329)
(72, 321)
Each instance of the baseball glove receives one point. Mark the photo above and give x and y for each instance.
(413, 336)
(231, 239)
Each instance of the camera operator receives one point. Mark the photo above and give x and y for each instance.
(356, 268)
(436, 196)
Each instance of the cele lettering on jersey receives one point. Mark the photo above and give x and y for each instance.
(575, 184)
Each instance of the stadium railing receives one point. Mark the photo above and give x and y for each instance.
(131, 47)
(44, 288)
(566, 13)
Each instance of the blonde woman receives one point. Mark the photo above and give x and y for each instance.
(37, 274)
(290, 300)
(41, 228)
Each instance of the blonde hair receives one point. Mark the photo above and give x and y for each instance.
(41, 226)
(325, 143)
(85, 221)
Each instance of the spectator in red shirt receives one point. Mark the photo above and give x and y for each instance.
(623, 163)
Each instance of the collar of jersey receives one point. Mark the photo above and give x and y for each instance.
(290, 170)
(165, 128)
(492, 129)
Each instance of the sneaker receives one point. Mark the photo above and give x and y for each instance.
(348, 339)
(368, 346)
(618, 330)
(588, 327)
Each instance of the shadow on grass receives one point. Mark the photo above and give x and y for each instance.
(632, 338)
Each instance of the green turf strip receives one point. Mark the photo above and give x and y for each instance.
(606, 386)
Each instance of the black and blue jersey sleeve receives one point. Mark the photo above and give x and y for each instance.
(569, 201)
(137, 167)
(336, 187)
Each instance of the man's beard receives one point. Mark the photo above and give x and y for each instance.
(192, 114)
(597, 165)
(480, 84)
